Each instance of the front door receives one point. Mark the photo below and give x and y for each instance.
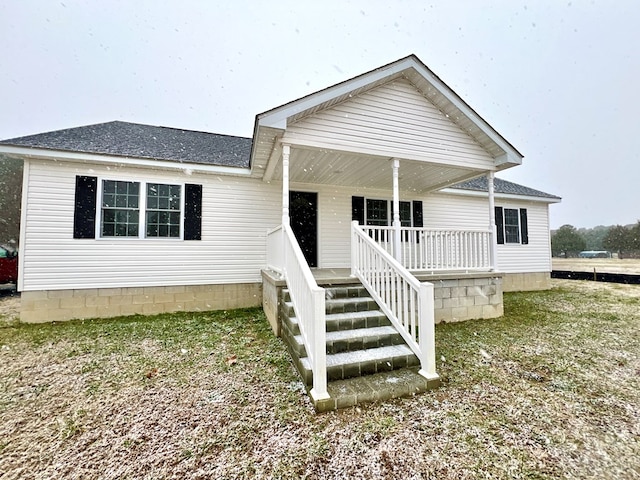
(303, 212)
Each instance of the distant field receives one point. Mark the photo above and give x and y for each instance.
(603, 265)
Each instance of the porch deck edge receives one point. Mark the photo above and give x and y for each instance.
(342, 276)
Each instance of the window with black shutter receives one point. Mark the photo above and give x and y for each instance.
(136, 209)
(511, 226)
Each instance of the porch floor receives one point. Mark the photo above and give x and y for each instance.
(338, 276)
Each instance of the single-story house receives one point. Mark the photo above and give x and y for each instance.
(386, 180)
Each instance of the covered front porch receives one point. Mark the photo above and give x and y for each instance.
(356, 164)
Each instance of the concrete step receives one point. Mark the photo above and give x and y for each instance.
(344, 291)
(337, 305)
(343, 321)
(365, 362)
(404, 382)
(350, 304)
(340, 341)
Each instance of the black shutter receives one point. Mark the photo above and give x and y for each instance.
(524, 227)
(357, 209)
(84, 213)
(192, 211)
(499, 226)
(417, 214)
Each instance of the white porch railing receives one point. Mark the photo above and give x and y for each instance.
(431, 250)
(308, 301)
(407, 302)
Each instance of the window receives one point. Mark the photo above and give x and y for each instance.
(511, 225)
(120, 209)
(121, 205)
(405, 213)
(163, 210)
(136, 209)
(377, 213)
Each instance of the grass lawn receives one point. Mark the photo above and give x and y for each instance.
(551, 390)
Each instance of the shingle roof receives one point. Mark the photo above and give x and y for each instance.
(145, 141)
(480, 184)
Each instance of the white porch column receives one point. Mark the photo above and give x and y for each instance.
(493, 252)
(396, 211)
(286, 150)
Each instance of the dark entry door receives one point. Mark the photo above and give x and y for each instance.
(303, 212)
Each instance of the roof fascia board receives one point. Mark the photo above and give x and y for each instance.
(36, 153)
(506, 196)
(508, 160)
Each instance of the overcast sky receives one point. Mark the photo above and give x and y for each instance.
(559, 79)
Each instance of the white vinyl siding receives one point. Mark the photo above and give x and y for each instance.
(391, 120)
(236, 214)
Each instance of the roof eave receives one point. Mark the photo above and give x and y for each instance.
(509, 196)
(84, 157)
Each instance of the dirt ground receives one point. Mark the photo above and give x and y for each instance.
(602, 265)
(9, 305)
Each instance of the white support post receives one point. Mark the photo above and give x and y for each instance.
(396, 211)
(493, 247)
(427, 332)
(319, 390)
(286, 150)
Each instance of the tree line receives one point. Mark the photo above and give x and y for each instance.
(569, 241)
(10, 196)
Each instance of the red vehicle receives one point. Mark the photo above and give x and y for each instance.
(8, 265)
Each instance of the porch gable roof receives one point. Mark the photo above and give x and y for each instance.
(271, 125)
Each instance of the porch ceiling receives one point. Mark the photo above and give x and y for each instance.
(316, 166)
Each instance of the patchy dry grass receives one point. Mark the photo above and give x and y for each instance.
(552, 390)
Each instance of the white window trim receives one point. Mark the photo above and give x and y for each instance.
(142, 208)
(504, 227)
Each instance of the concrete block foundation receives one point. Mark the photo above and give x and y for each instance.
(60, 305)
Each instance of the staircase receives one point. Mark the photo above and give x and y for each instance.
(367, 359)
